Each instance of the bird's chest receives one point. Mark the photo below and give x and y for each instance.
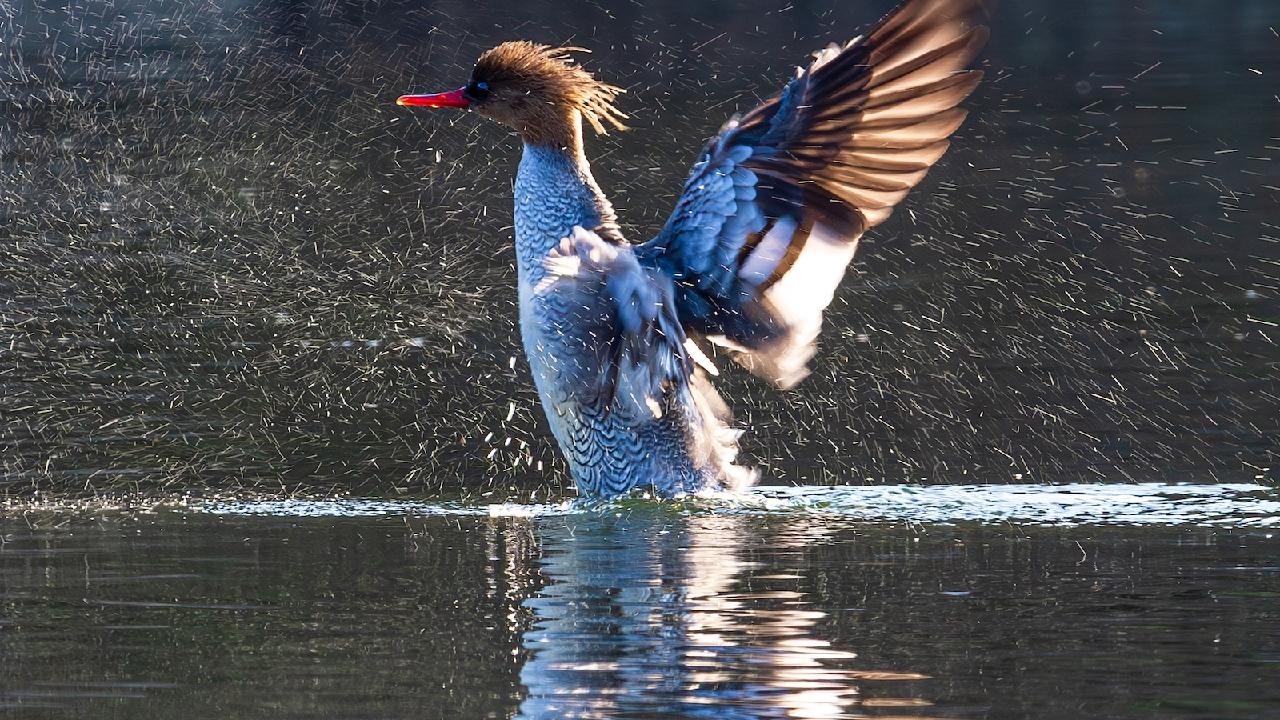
(553, 193)
(563, 325)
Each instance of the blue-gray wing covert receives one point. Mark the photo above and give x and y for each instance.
(772, 212)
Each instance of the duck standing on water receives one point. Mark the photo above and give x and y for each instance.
(769, 219)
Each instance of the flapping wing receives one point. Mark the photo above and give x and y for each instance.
(772, 212)
(631, 356)
(630, 347)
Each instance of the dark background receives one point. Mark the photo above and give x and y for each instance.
(228, 259)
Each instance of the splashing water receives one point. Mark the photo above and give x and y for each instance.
(231, 260)
(1226, 505)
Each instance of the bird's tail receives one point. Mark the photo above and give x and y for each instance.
(717, 439)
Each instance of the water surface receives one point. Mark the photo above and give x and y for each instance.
(784, 605)
(1217, 505)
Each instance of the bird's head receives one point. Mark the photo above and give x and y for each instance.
(536, 90)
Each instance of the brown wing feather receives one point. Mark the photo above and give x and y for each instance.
(832, 155)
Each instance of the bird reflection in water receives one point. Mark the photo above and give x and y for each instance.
(659, 615)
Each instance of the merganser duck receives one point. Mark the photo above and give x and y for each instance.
(616, 334)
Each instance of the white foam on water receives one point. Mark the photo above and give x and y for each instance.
(1234, 505)
(340, 507)
(1227, 505)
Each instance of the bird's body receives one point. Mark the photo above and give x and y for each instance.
(760, 238)
(567, 322)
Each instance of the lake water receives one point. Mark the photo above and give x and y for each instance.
(268, 446)
(894, 602)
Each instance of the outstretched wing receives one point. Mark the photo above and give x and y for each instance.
(772, 212)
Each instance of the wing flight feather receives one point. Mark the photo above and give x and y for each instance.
(772, 212)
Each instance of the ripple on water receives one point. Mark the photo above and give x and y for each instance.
(1226, 505)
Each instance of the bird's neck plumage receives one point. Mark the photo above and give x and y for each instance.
(555, 191)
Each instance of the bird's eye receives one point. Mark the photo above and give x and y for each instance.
(478, 90)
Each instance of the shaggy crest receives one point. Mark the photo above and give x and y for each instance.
(551, 72)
